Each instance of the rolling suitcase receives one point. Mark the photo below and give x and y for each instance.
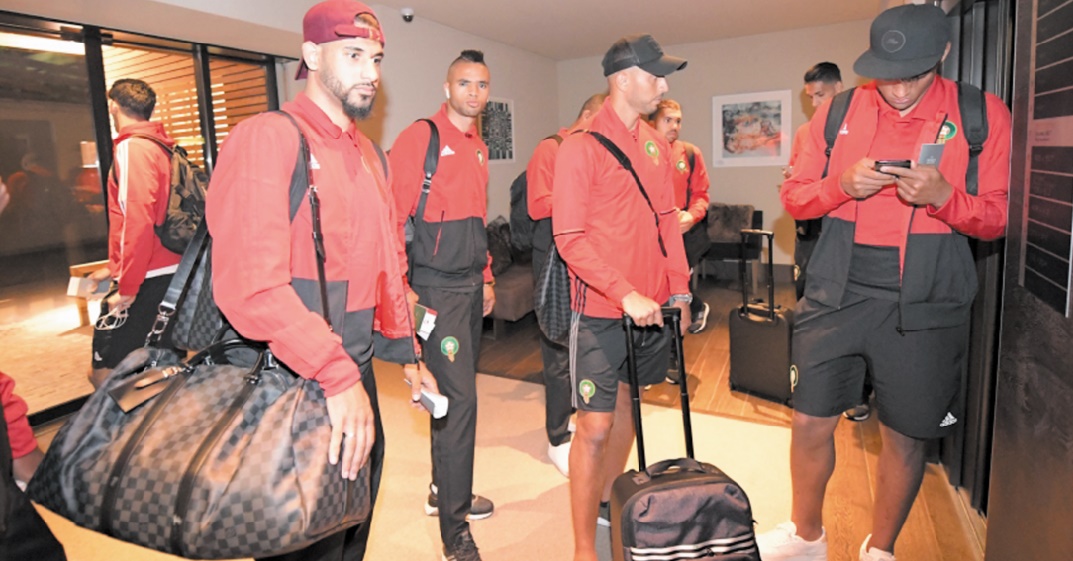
(677, 509)
(760, 338)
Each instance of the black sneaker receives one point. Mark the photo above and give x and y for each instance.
(604, 516)
(700, 320)
(858, 413)
(462, 548)
(479, 509)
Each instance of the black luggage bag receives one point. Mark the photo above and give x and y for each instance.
(760, 337)
(677, 509)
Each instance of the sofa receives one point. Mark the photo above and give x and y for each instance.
(513, 272)
(725, 223)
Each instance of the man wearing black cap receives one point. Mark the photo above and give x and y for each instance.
(625, 255)
(892, 278)
(265, 277)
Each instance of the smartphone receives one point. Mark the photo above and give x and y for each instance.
(893, 163)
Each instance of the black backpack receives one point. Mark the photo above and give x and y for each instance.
(186, 198)
(971, 104)
(521, 226)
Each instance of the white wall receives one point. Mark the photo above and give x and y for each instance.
(775, 61)
(415, 68)
(415, 65)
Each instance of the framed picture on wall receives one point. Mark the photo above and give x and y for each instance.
(497, 129)
(751, 129)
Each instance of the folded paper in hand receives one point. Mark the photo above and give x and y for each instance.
(85, 287)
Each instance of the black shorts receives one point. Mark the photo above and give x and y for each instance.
(916, 374)
(599, 361)
(112, 345)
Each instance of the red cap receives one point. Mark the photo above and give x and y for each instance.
(333, 20)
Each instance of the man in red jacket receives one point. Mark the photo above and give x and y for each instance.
(450, 273)
(555, 358)
(138, 190)
(891, 282)
(690, 195)
(625, 255)
(265, 269)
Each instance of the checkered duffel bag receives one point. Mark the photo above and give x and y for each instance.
(205, 459)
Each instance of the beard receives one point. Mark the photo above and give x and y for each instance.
(358, 110)
(355, 105)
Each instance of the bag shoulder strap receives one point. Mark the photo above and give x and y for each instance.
(302, 182)
(625, 162)
(432, 161)
(836, 114)
(973, 107)
(201, 242)
(168, 149)
(691, 159)
(383, 159)
(558, 139)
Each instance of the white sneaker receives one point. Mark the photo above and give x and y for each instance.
(874, 554)
(783, 544)
(560, 457)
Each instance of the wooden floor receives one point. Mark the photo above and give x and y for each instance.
(938, 528)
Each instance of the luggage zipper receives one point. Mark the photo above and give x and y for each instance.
(186, 484)
(119, 469)
(439, 232)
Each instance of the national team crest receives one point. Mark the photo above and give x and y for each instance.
(449, 347)
(948, 131)
(587, 389)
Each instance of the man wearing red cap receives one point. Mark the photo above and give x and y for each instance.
(450, 272)
(892, 279)
(265, 277)
(624, 250)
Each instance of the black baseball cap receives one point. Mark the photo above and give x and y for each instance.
(905, 41)
(642, 51)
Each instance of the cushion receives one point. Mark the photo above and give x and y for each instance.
(499, 245)
(725, 222)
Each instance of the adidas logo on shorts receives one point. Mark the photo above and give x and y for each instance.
(948, 420)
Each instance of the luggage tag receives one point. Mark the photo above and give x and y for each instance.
(425, 318)
(139, 389)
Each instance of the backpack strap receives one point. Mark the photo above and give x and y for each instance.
(432, 161)
(973, 107)
(691, 158)
(558, 139)
(836, 114)
(170, 151)
(625, 162)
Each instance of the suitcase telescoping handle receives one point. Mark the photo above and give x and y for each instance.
(745, 234)
(673, 317)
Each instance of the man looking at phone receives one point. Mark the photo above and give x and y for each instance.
(892, 279)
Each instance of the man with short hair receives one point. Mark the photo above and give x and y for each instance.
(690, 195)
(623, 246)
(822, 83)
(265, 266)
(557, 388)
(139, 186)
(450, 273)
(892, 279)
